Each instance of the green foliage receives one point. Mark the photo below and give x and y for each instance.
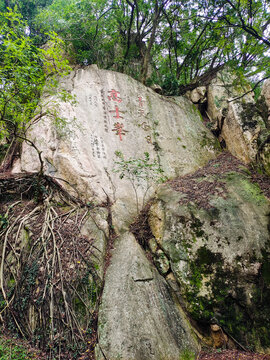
(138, 170)
(180, 40)
(21, 75)
(24, 69)
(141, 172)
(122, 35)
(170, 84)
(9, 350)
(84, 24)
(3, 221)
(3, 150)
(187, 355)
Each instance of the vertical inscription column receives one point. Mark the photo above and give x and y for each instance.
(118, 126)
(105, 118)
(143, 125)
(98, 147)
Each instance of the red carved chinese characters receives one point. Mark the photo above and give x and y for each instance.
(113, 95)
(140, 101)
(117, 113)
(119, 129)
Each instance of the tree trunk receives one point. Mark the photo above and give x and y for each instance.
(146, 57)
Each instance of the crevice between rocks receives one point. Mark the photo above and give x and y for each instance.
(110, 246)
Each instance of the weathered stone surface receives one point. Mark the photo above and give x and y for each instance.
(266, 92)
(162, 262)
(219, 249)
(222, 89)
(246, 134)
(115, 113)
(139, 317)
(239, 122)
(264, 155)
(219, 254)
(241, 136)
(198, 95)
(96, 227)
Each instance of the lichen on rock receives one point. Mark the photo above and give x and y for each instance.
(218, 247)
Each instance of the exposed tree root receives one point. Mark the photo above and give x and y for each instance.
(49, 286)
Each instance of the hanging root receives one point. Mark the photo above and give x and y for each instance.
(49, 287)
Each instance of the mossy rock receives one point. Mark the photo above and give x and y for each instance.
(219, 252)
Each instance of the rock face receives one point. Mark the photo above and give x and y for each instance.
(206, 231)
(223, 88)
(265, 146)
(239, 121)
(197, 95)
(213, 227)
(241, 124)
(241, 131)
(266, 94)
(116, 113)
(138, 316)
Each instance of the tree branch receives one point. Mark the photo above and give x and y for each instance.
(248, 92)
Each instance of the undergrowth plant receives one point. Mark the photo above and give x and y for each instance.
(13, 353)
(141, 172)
(187, 355)
(10, 350)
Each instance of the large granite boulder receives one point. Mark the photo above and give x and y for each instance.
(238, 119)
(139, 317)
(241, 131)
(210, 227)
(214, 228)
(113, 113)
(222, 89)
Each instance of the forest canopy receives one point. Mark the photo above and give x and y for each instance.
(170, 43)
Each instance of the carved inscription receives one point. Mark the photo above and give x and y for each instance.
(145, 126)
(105, 117)
(140, 106)
(98, 147)
(103, 153)
(118, 128)
(92, 100)
(113, 95)
(73, 141)
(117, 113)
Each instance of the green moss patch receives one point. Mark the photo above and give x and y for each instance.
(247, 321)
